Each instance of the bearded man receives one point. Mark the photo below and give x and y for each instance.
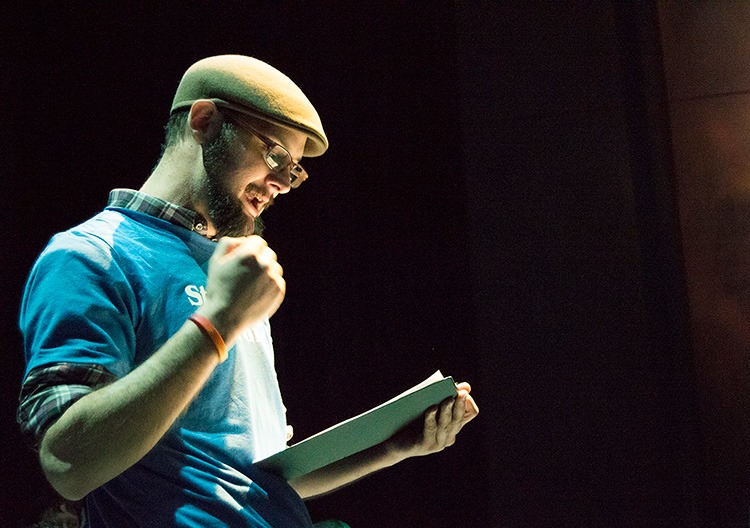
(150, 387)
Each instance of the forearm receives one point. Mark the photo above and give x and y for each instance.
(346, 471)
(109, 430)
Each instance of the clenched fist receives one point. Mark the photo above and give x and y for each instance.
(245, 284)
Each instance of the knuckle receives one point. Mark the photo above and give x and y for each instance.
(248, 257)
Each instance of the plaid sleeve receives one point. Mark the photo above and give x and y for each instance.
(48, 391)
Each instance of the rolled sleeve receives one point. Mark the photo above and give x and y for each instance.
(49, 391)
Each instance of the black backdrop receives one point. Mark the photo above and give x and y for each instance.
(496, 203)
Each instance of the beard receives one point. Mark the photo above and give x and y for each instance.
(224, 209)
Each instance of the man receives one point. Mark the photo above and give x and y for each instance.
(150, 387)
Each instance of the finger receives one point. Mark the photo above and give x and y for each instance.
(445, 417)
(267, 256)
(446, 412)
(276, 305)
(256, 238)
(471, 409)
(430, 424)
(254, 243)
(275, 270)
(459, 408)
(253, 251)
(463, 386)
(464, 412)
(274, 291)
(281, 285)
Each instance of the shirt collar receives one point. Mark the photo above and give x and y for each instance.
(143, 203)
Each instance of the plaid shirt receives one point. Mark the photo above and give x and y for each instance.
(48, 391)
(138, 201)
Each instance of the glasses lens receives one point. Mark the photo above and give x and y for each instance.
(277, 158)
(297, 175)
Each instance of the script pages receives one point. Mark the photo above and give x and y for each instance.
(360, 432)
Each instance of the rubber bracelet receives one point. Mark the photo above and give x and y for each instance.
(213, 334)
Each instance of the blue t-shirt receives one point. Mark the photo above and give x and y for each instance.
(111, 292)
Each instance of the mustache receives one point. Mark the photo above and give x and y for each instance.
(261, 193)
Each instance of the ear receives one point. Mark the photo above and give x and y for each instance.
(204, 120)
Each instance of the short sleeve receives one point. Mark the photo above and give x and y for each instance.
(79, 306)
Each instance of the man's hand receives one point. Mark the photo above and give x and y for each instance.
(441, 425)
(245, 284)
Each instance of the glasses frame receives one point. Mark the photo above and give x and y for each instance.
(297, 173)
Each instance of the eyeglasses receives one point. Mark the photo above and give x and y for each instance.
(277, 157)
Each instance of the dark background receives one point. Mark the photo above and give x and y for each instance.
(497, 202)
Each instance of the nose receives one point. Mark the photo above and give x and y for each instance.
(279, 182)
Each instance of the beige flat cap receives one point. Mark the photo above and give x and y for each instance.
(251, 86)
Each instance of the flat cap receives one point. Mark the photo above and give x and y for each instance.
(248, 85)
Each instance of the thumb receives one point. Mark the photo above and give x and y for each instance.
(226, 245)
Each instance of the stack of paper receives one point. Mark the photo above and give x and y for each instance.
(360, 432)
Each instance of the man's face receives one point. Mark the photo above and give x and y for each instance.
(239, 185)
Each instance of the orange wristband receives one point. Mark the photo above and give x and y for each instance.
(213, 334)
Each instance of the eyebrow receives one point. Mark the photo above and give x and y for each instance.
(242, 123)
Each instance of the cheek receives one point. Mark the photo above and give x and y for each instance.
(240, 178)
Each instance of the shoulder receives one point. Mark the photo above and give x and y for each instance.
(87, 250)
(101, 238)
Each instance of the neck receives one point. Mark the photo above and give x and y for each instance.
(176, 177)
